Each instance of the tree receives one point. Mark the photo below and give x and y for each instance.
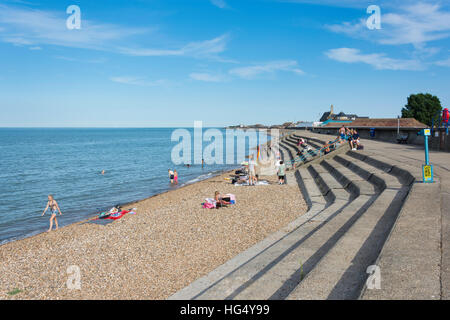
(422, 107)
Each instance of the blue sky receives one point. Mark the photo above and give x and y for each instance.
(153, 63)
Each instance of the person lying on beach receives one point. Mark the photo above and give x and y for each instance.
(220, 200)
(54, 208)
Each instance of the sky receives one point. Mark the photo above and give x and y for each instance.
(168, 63)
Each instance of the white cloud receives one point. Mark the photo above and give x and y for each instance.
(207, 77)
(137, 81)
(359, 4)
(24, 26)
(30, 27)
(219, 3)
(35, 48)
(377, 60)
(443, 63)
(251, 72)
(208, 48)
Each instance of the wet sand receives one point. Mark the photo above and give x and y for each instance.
(168, 244)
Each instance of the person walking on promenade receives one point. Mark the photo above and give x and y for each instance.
(54, 208)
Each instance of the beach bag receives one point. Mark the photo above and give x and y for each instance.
(360, 147)
(209, 203)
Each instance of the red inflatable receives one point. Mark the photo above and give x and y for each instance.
(445, 115)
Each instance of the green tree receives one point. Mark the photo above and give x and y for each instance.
(422, 107)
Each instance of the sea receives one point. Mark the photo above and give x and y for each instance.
(67, 163)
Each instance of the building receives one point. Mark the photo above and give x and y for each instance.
(330, 116)
(381, 129)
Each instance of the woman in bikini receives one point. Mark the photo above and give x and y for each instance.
(54, 208)
(220, 200)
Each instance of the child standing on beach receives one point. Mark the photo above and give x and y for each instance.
(54, 208)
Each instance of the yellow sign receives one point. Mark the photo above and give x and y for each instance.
(427, 172)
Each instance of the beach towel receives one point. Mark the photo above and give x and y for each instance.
(117, 215)
(259, 183)
(209, 203)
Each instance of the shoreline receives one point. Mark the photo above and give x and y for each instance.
(90, 217)
(170, 237)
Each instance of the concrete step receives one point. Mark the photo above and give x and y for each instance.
(310, 190)
(350, 180)
(328, 185)
(412, 252)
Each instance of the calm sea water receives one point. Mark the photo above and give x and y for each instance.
(67, 163)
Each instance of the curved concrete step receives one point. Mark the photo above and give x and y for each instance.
(341, 274)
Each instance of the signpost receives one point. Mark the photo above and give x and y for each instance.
(427, 169)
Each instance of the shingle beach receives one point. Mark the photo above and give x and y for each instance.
(168, 244)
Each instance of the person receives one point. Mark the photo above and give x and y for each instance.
(220, 200)
(54, 208)
(171, 176)
(342, 133)
(251, 171)
(355, 140)
(203, 162)
(175, 176)
(326, 148)
(281, 173)
(103, 172)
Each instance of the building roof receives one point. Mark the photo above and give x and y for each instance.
(325, 116)
(381, 123)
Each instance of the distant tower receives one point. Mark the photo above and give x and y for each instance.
(331, 112)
